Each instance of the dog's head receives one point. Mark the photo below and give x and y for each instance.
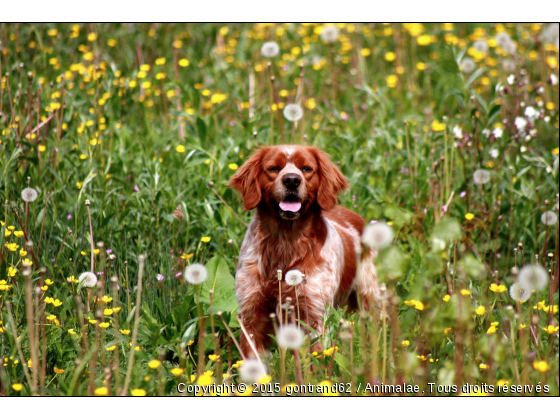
(288, 180)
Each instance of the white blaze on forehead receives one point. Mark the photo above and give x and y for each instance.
(289, 151)
(290, 168)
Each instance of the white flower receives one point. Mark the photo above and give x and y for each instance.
(294, 277)
(87, 279)
(531, 113)
(509, 66)
(252, 370)
(494, 153)
(549, 218)
(29, 195)
(498, 132)
(553, 80)
(290, 337)
(378, 235)
(550, 33)
(458, 132)
(196, 274)
(520, 123)
(468, 65)
(481, 176)
(293, 112)
(329, 34)
(532, 277)
(270, 49)
(511, 79)
(481, 45)
(518, 293)
(502, 39)
(510, 47)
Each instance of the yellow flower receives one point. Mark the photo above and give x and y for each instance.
(101, 392)
(469, 216)
(214, 357)
(71, 332)
(447, 330)
(328, 386)
(541, 366)
(405, 343)
(551, 329)
(111, 348)
(125, 332)
(106, 299)
(392, 80)
(330, 351)
(446, 298)
(498, 288)
(205, 239)
(137, 392)
(177, 371)
(104, 325)
(48, 282)
(18, 233)
(521, 326)
(183, 62)
(96, 251)
(390, 56)
(57, 303)
(265, 379)
(503, 382)
(58, 371)
(233, 166)
(437, 126)
(205, 380)
(465, 292)
(418, 305)
(107, 312)
(154, 364)
(181, 149)
(483, 366)
(11, 247)
(17, 387)
(410, 302)
(481, 310)
(491, 330)
(186, 256)
(555, 151)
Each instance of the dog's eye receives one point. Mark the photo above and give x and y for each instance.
(274, 169)
(306, 169)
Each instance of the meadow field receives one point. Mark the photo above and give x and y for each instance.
(117, 142)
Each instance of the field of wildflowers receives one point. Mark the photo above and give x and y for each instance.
(119, 237)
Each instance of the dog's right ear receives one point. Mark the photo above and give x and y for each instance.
(246, 180)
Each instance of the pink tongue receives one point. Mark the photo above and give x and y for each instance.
(290, 206)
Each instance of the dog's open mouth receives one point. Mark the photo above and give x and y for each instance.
(290, 207)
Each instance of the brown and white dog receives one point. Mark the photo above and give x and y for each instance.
(298, 225)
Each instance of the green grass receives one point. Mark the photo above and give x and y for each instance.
(82, 120)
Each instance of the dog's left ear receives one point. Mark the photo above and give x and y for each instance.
(332, 181)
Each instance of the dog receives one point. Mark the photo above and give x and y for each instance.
(297, 226)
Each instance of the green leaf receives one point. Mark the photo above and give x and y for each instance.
(201, 129)
(222, 283)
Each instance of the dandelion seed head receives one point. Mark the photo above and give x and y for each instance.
(377, 236)
(549, 218)
(329, 34)
(270, 49)
(481, 45)
(290, 337)
(502, 39)
(252, 370)
(293, 112)
(294, 277)
(518, 293)
(481, 176)
(196, 274)
(468, 65)
(533, 277)
(29, 195)
(88, 279)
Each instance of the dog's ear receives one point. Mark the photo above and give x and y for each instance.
(246, 180)
(332, 181)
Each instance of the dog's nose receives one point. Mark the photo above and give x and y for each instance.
(291, 180)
